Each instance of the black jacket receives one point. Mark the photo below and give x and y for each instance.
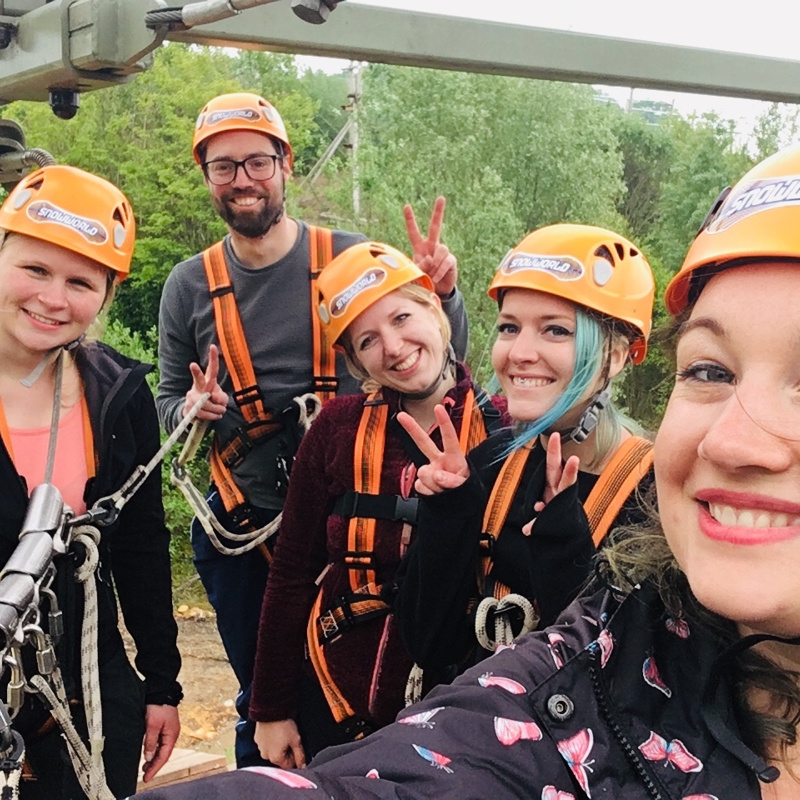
(608, 703)
(134, 552)
(437, 579)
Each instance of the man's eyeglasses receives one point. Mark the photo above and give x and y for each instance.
(224, 170)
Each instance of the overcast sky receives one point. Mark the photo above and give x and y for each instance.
(768, 27)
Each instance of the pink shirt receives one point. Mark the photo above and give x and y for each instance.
(70, 471)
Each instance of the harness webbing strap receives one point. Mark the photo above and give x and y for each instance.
(230, 494)
(350, 610)
(503, 491)
(231, 335)
(619, 479)
(369, 447)
(325, 383)
(467, 431)
(337, 702)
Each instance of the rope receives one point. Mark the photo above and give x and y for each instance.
(414, 686)
(11, 768)
(107, 509)
(309, 406)
(503, 634)
(55, 698)
(87, 763)
(89, 537)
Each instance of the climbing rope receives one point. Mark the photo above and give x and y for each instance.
(497, 610)
(309, 406)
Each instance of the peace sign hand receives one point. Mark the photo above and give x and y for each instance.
(558, 476)
(448, 468)
(203, 382)
(430, 255)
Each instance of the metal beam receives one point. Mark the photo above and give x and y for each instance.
(391, 36)
(87, 44)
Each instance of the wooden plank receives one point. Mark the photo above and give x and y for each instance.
(186, 764)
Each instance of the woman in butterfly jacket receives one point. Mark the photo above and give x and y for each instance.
(351, 510)
(679, 680)
(575, 306)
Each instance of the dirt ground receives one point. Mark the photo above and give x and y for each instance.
(207, 712)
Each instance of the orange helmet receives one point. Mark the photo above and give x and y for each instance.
(357, 278)
(593, 267)
(758, 219)
(75, 210)
(239, 111)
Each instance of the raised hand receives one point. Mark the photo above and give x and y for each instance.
(448, 468)
(430, 255)
(558, 476)
(203, 382)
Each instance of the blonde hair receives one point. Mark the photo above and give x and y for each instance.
(419, 294)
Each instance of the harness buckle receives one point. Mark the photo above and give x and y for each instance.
(329, 629)
(249, 394)
(406, 509)
(242, 515)
(337, 620)
(325, 383)
(237, 447)
(359, 559)
(486, 543)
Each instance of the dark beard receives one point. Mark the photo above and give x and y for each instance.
(247, 223)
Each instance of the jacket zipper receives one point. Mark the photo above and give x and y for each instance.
(606, 711)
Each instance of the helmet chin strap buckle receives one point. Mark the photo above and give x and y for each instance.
(590, 417)
(37, 371)
(449, 364)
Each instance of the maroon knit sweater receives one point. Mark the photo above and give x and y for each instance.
(369, 663)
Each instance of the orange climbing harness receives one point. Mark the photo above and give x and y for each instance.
(629, 464)
(364, 507)
(260, 422)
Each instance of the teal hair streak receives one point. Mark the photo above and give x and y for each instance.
(588, 358)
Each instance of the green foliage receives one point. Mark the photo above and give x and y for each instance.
(705, 160)
(509, 155)
(177, 511)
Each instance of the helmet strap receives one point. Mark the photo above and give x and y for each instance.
(589, 418)
(448, 367)
(39, 369)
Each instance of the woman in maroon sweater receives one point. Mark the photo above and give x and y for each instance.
(330, 665)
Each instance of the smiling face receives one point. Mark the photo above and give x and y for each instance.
(399, 341)
(728, 486)
(534, 353)
(48, 295)
(249, 207)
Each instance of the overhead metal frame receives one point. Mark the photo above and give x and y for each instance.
(87, 44)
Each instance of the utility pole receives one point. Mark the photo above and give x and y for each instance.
(353, 99)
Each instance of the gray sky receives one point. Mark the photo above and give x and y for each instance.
(768, 27)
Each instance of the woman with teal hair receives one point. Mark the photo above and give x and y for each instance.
(574, 307)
